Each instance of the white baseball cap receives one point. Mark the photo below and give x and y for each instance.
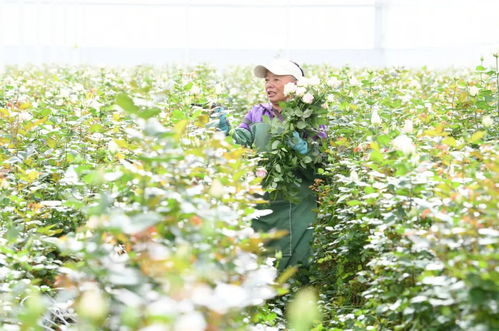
(280, 67)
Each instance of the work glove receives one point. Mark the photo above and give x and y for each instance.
(223, 123)
(298, 144)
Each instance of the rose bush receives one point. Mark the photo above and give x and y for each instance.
(406, 234)
(120, 208)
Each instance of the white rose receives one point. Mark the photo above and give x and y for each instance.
(487, 121)
(219, 89)
(261, 172)
(93, 305)
(354, 81)
(308, 98)
(64, 92)
(375, 119)
(195, 90)
(408, 126)
(474, 90)
(404, 144)
(96, 136)
(70, 176)
(314, 81)
(334, 82)
(192, 321)
(112, 146)
(24, 116)
(300, 91)
(302, 82)
(354, 177)
(289, 88)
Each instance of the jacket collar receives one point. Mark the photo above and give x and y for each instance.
(270, 110)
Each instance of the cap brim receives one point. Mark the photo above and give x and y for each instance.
(260, 71)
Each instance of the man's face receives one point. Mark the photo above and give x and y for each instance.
(274, 86)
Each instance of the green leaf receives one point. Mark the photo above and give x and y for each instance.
(307, 113)
(126, 103)
(148, 113)
(476, 137)
(179, 129)
(178, 115)
(96, 128)
(384, 140)
(449, 141)
(377, 156)
(303, 311)
(301, 125)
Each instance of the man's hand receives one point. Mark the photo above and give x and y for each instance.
(298, 144)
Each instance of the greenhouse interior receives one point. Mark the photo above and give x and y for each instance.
(262, 165)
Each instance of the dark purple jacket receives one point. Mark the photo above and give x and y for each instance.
(255, 115)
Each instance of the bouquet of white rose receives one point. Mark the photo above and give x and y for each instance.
(303, 117)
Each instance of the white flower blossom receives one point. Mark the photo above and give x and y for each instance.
(51, 203)
(334, 82)
(289, 88)
(195, 90)
(331, 98)
(97, 136)
(375, 118)
(219, 89)
(408, 126)
(354, 81)
(193, 321)
(487, 121)
(95, 104)
(474, 90)
(64, 92)
(227, 296)
(303, 82)
(112, 146)
(92, 304)
(314, 81)
(24, 116)
(404, 144)
(354, 177)
(261, 172)
(300, 91)
(70, 176)
(308, 98)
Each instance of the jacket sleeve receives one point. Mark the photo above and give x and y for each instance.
(242, 135)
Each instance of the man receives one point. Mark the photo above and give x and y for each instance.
(295, 218)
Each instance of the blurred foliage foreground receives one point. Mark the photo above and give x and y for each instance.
(120, 209)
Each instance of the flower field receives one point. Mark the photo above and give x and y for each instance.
(122, 207)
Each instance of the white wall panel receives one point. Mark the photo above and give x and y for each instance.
(332, 28)
(355, 32)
